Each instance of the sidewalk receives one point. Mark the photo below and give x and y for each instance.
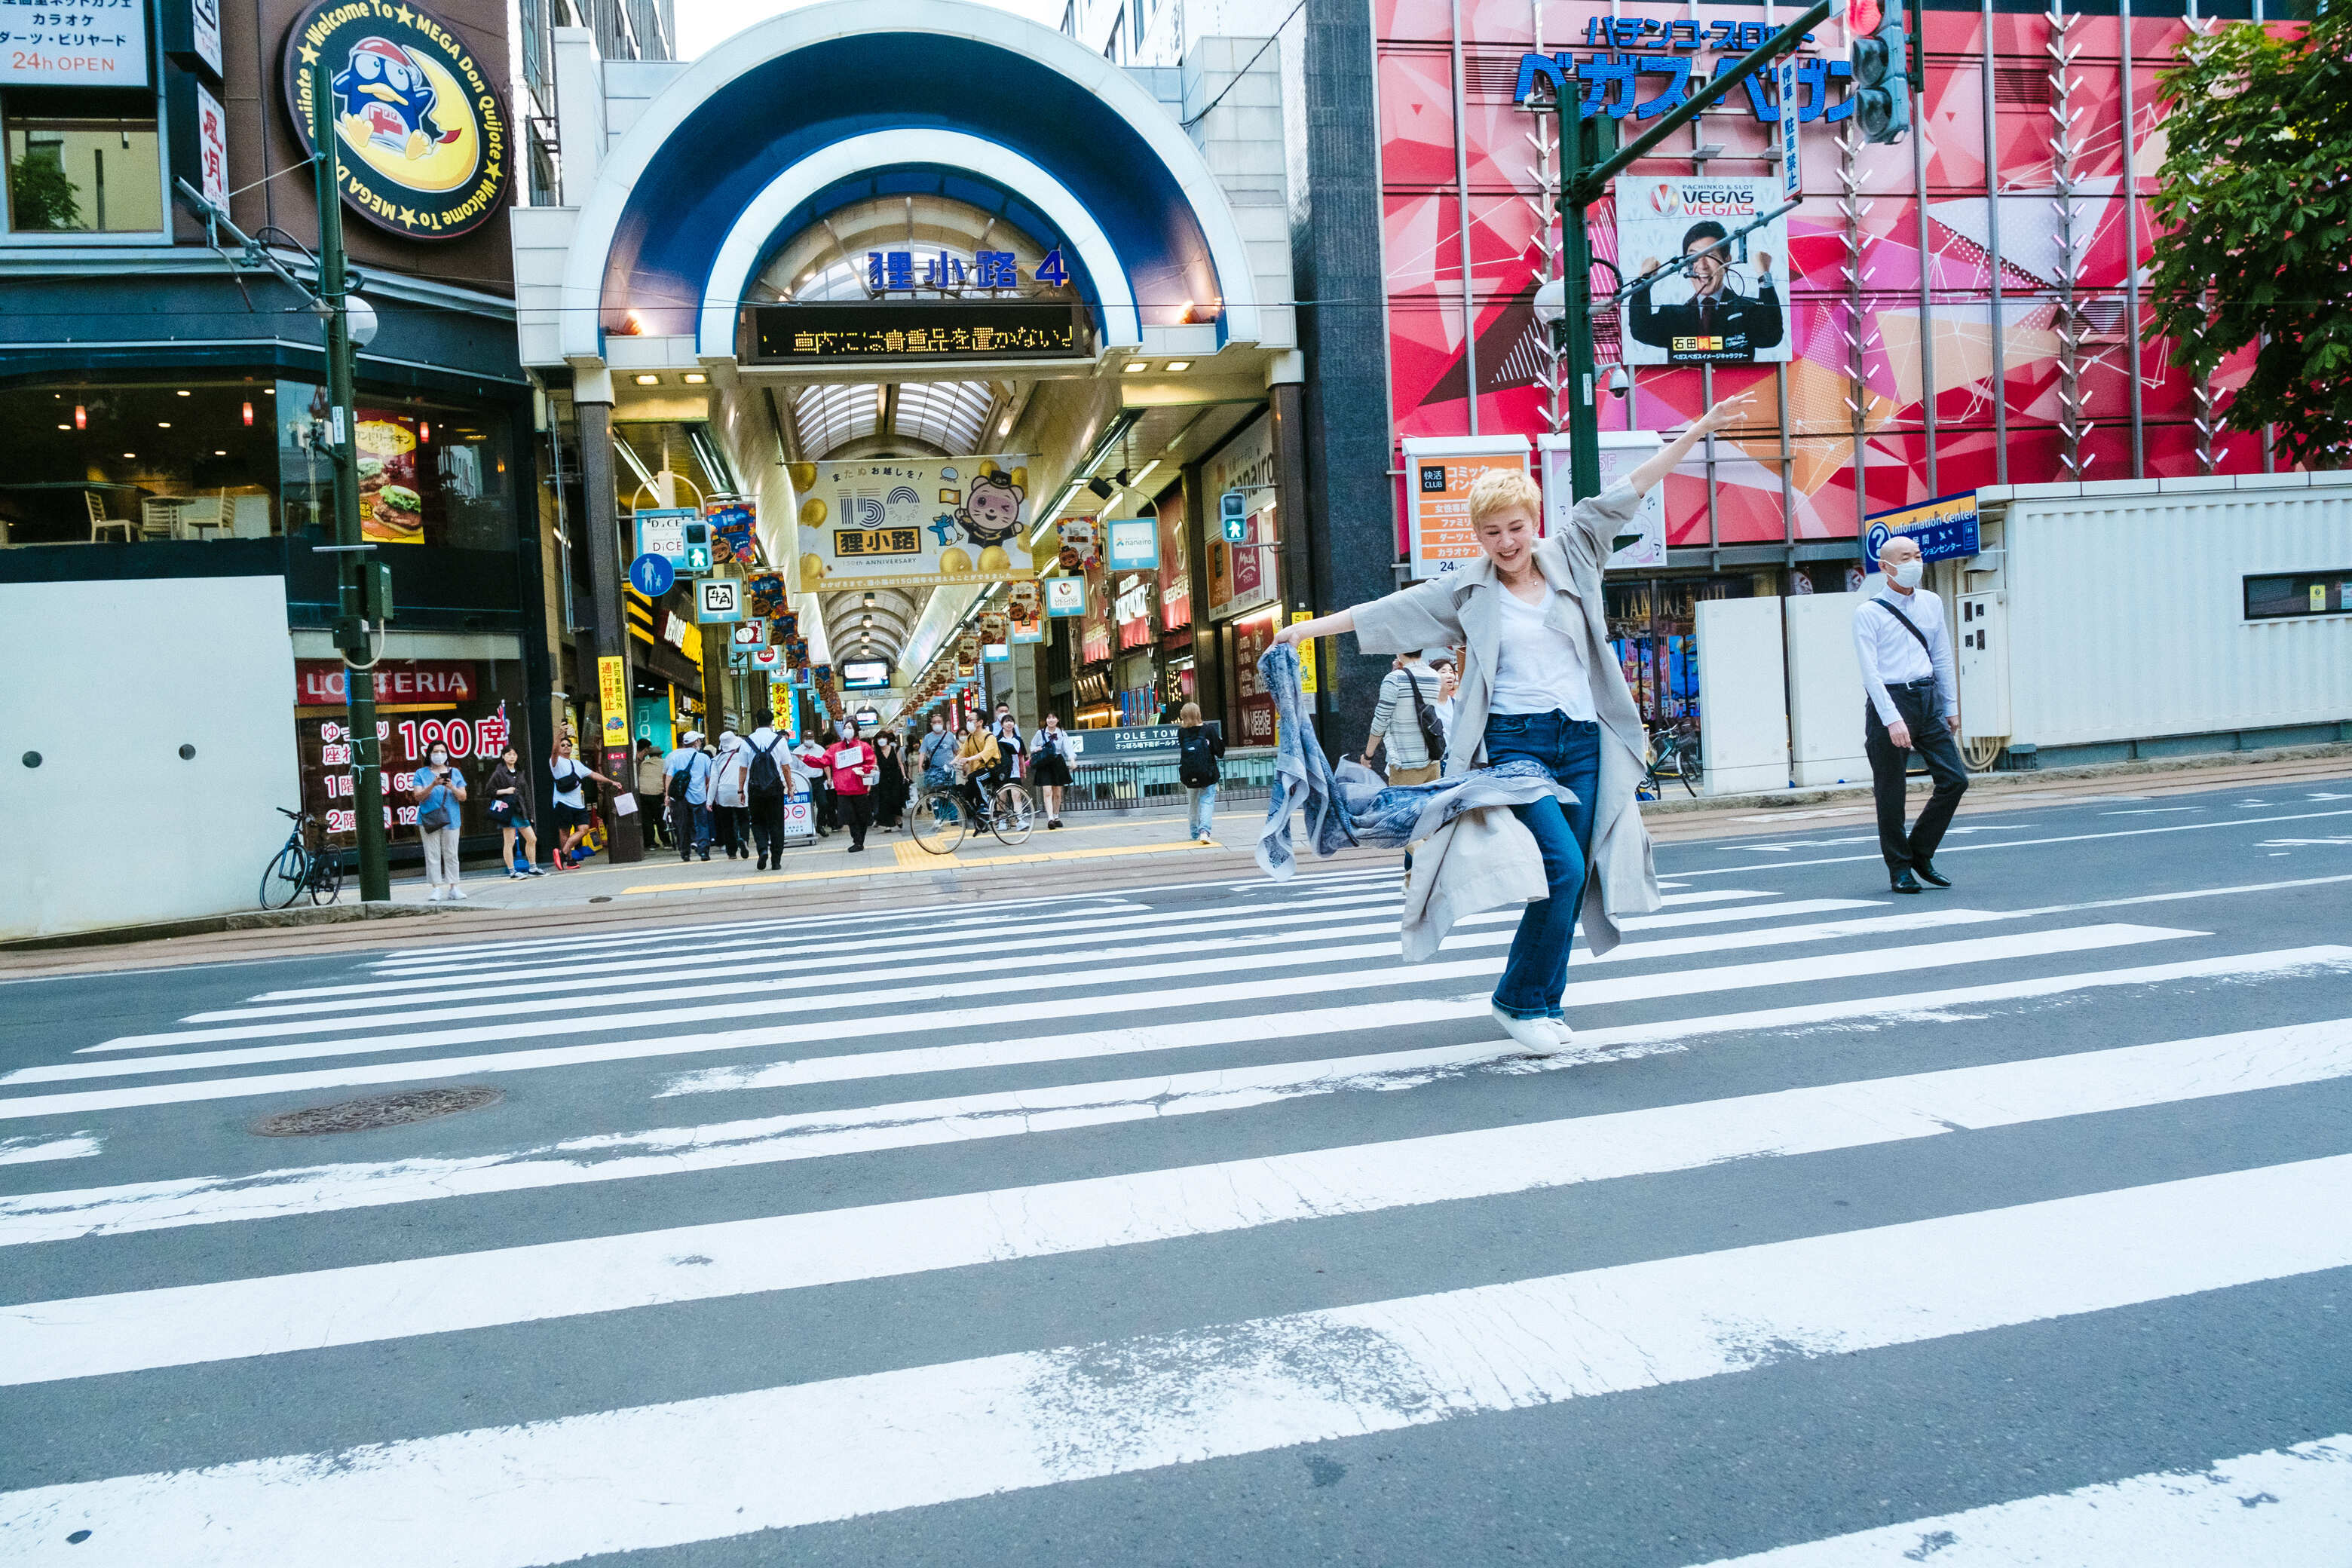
(1114, 854)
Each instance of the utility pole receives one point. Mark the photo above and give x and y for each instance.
(1582, 187)
(364, 586)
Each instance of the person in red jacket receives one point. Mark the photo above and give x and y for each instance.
(854, 769)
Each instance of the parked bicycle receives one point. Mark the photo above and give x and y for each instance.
(1674, 755)
(941, 818)
(305, 865)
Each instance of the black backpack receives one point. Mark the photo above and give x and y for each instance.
(767, 778)
(1196, 759)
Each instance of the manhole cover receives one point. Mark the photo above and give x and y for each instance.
(377, 1111)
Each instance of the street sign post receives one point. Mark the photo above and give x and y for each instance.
(718, 599)
(652, 575)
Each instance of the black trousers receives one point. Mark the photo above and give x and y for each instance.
(858, 809)
(1916, 701)
(768, 827)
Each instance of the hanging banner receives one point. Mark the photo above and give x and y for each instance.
(767, 592)
(1078, 543)
(1725, 307)
(1026, 609)
(1622, 451)
(1135, 544)
(1065, 596)
(734, 533)
(1438, 473)
(1243, 573)
(915, 523)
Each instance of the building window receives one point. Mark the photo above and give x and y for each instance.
(82, 162)
(187, 460)
(430, 472)
(2299, 594)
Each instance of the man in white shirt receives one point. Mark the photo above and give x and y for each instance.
(1905, 654)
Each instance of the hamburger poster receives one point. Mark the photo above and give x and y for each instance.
(391, 508)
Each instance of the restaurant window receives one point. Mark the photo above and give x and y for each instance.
(82, 160)
(435, 473)
(126, 464)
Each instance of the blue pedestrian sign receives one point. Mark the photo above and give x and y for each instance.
(652, 575)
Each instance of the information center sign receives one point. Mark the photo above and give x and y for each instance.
(1945, 529)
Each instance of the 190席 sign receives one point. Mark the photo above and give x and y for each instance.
(422, 126)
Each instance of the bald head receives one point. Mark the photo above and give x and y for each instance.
(1898, 550)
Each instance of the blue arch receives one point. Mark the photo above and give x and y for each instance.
(709, 171)
(928, 179)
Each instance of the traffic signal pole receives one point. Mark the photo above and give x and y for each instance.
(1582, 189)
(364, 590)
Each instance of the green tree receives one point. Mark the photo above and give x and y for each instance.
(2253, 242)
(40, 196)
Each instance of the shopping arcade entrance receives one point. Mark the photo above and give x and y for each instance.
(743, 210)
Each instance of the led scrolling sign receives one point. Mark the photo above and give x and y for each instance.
(1641, 47)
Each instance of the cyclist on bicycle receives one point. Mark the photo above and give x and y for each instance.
(979, 764)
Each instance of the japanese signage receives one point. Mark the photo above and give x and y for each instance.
(1792, 180)
(1242, 571)
(613, 700)
(1253, 713)
(914, 522)
(995, 271)
(474, 735)
(718, 599)
(1622, 451)
(319, 682)
(212, 144)
(678, 534)
(1132, 610)
(86, 43)
(1024, 613)
(1135, 544)
(1644, 67)
(1725, 307)
(1065, 596)
(892, 329)
(1175, 564)
(1945, 529)
(734, 533)
(1438, 474)
(418, 111)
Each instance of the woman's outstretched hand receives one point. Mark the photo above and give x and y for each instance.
(1730, 411)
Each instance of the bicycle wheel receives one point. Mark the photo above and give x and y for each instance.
(1687, 764)
(939, 821)
(326, 877)
(1014, 817)
(283, 883)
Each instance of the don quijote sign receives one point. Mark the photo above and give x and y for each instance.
(421, 123)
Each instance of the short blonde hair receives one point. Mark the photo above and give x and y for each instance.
(1189, 714)
(1501, 489)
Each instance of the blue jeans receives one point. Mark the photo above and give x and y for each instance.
(1569, 749)
(1203, 802)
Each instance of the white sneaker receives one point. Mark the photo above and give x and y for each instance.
(1538, 1037)
(433, 896)
(456, 891)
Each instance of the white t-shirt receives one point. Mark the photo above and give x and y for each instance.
(569, 776)
(1538, 669)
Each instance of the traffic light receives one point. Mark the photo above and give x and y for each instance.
(1882, 69)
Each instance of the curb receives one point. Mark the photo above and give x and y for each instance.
(213, 925)
(2001, 783)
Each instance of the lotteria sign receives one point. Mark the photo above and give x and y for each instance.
(422, 123)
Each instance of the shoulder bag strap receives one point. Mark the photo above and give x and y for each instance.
(1908, 626)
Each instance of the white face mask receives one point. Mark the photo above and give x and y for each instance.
(440, 758)
(1909, 573)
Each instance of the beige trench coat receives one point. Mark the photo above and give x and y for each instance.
(1461, 608)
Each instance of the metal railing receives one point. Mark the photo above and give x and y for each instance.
(1123, 786)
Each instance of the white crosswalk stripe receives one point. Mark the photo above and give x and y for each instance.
(1107, 1078)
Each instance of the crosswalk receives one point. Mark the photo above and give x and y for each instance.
(785, 1225)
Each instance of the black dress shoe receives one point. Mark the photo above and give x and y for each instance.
(1904, 882)
(1930, 875)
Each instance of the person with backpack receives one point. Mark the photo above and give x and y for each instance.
(650, 775)
(1198, 747)
(689, 797)
(854, 769)
(1406, 721)
(767, 783)
(1049, 766)
(730, 801)
(439, 791)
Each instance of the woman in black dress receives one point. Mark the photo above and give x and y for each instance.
(890, 795)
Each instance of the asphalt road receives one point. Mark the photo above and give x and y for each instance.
(1184, 1227)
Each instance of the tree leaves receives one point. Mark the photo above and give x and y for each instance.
(2253, 240)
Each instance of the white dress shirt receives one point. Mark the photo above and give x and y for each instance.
(1891, 655)
(1538, 669)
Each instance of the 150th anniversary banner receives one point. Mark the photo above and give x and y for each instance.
(422, 125)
